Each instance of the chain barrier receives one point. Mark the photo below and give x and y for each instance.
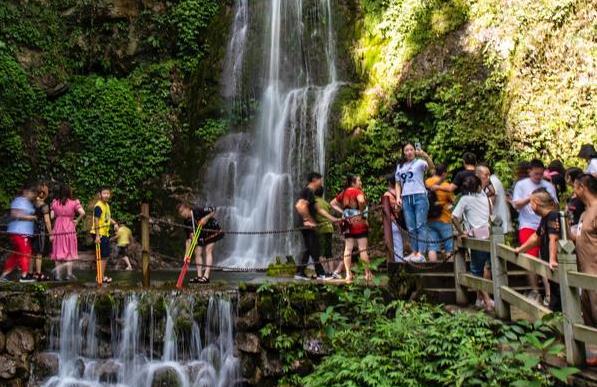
(411, 235)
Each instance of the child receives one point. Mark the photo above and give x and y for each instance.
(123, 239)
(20, 230)
(100, 230)
(43, 228)
(203, 216)
(546, 236)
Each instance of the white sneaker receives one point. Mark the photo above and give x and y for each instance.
(410, 257)
(419, 258)
(534, 296)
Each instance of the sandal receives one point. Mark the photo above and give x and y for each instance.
(195, 280)
(107, 280)
(203, 280)
(41, 277)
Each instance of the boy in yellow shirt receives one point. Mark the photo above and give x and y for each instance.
(123, 239)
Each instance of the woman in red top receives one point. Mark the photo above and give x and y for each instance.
(351, 203)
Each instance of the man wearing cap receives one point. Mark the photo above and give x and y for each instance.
(587, 152)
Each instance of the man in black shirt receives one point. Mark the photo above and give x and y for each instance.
(305, 206)
(470, 164)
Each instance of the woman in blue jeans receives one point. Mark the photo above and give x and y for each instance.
(411, 196)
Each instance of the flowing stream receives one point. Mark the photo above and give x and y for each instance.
(144, 345)
(259, 168)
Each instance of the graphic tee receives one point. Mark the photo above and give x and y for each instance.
(411, 176)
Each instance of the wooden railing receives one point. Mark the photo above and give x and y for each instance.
(576, 334)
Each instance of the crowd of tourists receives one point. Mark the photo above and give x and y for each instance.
(37, 229)
(424, 212)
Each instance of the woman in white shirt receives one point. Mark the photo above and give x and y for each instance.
(473, 209)
(411, 196)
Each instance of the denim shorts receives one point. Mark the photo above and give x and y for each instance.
(441, 231)
(478, 261)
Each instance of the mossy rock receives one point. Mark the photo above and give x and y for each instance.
(104, 305)
(281, 270)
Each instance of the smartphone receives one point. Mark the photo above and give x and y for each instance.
(418, 146)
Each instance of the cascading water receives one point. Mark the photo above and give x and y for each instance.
(136, 337)
(255, 176)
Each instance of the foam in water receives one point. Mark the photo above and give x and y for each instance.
(255, 177)
(184, 361)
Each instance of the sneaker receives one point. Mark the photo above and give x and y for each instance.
(325, 277)
(419, 258)
(4, 279)
(336, 276)
(410, 257)
(71, 277)
(546, 301)
(534, 296)
(479, 303)
(27, 279)
(301, 277)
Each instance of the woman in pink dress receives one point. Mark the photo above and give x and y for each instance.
(64, 236)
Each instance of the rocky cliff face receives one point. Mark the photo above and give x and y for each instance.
(277, 329)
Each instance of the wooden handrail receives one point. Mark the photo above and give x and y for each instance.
(582, 280)
(585, 333)
(477, 244)
(528, 262)
(478, 283)
(574, 331)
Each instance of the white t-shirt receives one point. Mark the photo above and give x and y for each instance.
(411, 176)
(592, 168)
(522, 190)
(500, 208)
(474, 209)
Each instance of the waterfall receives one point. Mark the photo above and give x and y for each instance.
(257, 172)
(184, 361)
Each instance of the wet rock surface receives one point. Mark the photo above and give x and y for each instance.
(46, 364)
(19, 341)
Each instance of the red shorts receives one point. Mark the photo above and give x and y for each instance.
(523, 235)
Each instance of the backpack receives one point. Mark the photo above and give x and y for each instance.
(435, 207)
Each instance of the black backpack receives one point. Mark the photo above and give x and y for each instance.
(435, 207)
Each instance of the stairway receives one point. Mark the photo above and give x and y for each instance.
(437, 280)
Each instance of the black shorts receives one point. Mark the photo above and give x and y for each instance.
(104, 246)
(357, 236)
(207, 237)
(122, 251)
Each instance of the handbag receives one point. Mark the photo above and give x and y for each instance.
(484, 231)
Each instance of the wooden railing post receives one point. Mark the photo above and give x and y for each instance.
(459, 268)
(499, 274)
(145, 243)
(571, 307)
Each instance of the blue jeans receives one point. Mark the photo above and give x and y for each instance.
(478, 261)
(415, 208)
(440, 231)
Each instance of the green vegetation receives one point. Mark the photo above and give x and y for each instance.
(376, 343)
(510, 82)
(368, 338)
(124, 109)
